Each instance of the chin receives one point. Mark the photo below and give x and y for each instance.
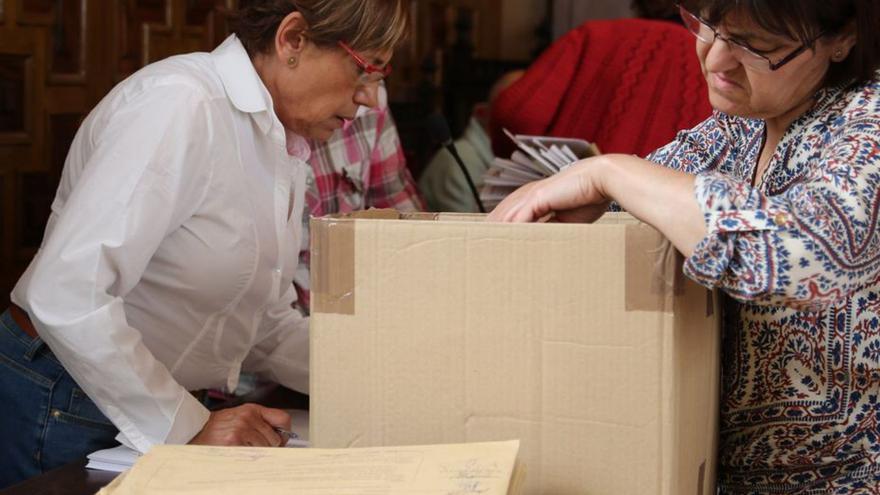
(319, 134)
(725, 105)
(321, 131)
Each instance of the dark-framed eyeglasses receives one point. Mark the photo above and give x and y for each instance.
(745, 54)
(370, 73)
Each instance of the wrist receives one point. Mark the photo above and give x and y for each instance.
(605, 172)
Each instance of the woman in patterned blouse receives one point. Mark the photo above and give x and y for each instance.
(774, 200)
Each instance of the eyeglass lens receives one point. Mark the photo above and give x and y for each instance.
(707, 34)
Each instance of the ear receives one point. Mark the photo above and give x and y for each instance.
(290, 37)
(843, 43)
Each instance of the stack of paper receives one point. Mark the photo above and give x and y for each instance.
(480, 468)
(117, 459)
(120, 458)
(538, 157)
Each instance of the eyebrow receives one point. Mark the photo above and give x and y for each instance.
(750, 37)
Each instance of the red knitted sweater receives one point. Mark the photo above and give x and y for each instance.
(628, 85)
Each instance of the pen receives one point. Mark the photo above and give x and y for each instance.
(291, 439)
(289, 435)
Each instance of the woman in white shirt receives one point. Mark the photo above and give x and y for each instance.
(168, 257)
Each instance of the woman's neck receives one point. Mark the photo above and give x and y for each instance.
(777, 126)
(774, 131)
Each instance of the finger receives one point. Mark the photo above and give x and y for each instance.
(245, 426)
(251, 417)
(530, 212)
(500, 211)
(584, 214)
(240, 435)
(254, 438)
(269, 419)
(506, 210)
(275, 417)
(268, 436)
(528, 208)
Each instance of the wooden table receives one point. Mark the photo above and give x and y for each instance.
(75, 479)
(72, 479)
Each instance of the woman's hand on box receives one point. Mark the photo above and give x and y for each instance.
(573, 195)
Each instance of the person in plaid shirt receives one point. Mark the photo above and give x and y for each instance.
(362, 166)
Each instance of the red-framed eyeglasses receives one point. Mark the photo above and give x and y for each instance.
(371, 73)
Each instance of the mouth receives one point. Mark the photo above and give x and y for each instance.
(724, 83)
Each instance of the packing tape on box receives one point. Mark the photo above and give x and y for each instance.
(333, 252)
(332, 266)
(332, 259)
(653, 265)
(653, 270)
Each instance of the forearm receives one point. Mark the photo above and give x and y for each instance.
(109, 361)
(656, 195)
(282, 351)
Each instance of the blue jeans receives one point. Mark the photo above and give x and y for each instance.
(46, 420)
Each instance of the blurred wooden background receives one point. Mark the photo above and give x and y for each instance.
(59, 57)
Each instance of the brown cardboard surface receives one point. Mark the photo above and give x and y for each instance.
(653, 270)
(465, 331)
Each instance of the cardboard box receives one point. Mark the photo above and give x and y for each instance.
(582, 341)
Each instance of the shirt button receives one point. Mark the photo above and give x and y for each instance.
(781, 219)
(277, 270)
(56, 413)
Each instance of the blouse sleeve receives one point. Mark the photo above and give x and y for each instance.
(699, 149)
(813, 244)
(145, 174)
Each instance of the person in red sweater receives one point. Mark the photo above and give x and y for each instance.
(628, 85)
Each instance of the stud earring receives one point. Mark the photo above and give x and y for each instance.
(838, 55)
(292, 62)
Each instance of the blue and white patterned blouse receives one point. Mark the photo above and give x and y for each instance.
(800, 256)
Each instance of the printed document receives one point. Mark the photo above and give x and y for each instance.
(461, 469)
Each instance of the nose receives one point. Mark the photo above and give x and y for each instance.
(720, 56)
(367, 95)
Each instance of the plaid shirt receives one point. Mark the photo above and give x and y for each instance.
(360, 167)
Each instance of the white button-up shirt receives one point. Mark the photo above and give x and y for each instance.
(169, 254)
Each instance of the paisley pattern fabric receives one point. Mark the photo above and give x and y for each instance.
(799, 257)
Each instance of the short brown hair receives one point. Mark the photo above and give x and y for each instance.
(805, 20)
(366, 25)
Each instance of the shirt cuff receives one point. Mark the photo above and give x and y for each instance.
(730, 208)
(188, 421)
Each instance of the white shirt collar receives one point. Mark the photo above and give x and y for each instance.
(248, 93)
(241, 81)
